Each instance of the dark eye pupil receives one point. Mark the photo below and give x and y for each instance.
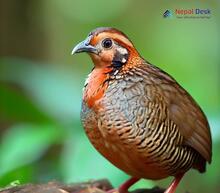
(107, 43)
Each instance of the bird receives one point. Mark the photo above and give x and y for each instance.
(137, 115)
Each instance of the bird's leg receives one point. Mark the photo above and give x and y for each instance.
(125, 186)
(174, 184)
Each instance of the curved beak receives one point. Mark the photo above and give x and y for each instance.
(84, 46)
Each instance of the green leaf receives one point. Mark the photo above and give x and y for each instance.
(23, 144)
(16, 106)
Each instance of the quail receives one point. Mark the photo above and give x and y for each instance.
(137, 116)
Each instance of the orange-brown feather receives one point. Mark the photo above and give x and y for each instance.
(96, 86)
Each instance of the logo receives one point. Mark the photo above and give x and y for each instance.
(167, 14)
(192, 13)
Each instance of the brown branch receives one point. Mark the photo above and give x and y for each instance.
(99, 186)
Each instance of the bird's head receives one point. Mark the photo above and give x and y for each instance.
(108, 47)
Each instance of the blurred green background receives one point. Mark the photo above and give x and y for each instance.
(41, 137)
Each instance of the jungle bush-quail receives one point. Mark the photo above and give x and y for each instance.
(138, 116)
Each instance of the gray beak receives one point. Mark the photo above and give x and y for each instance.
(84, 46)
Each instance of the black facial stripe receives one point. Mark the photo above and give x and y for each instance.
(117, 64)
(119, 59)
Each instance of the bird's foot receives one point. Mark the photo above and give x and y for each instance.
(125, 186)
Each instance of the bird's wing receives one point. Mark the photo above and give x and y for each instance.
(183, 111)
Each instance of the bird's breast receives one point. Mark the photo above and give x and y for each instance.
(109, 126)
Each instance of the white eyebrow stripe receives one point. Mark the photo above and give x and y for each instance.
(122, 51)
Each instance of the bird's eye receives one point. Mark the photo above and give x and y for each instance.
(107, 43)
